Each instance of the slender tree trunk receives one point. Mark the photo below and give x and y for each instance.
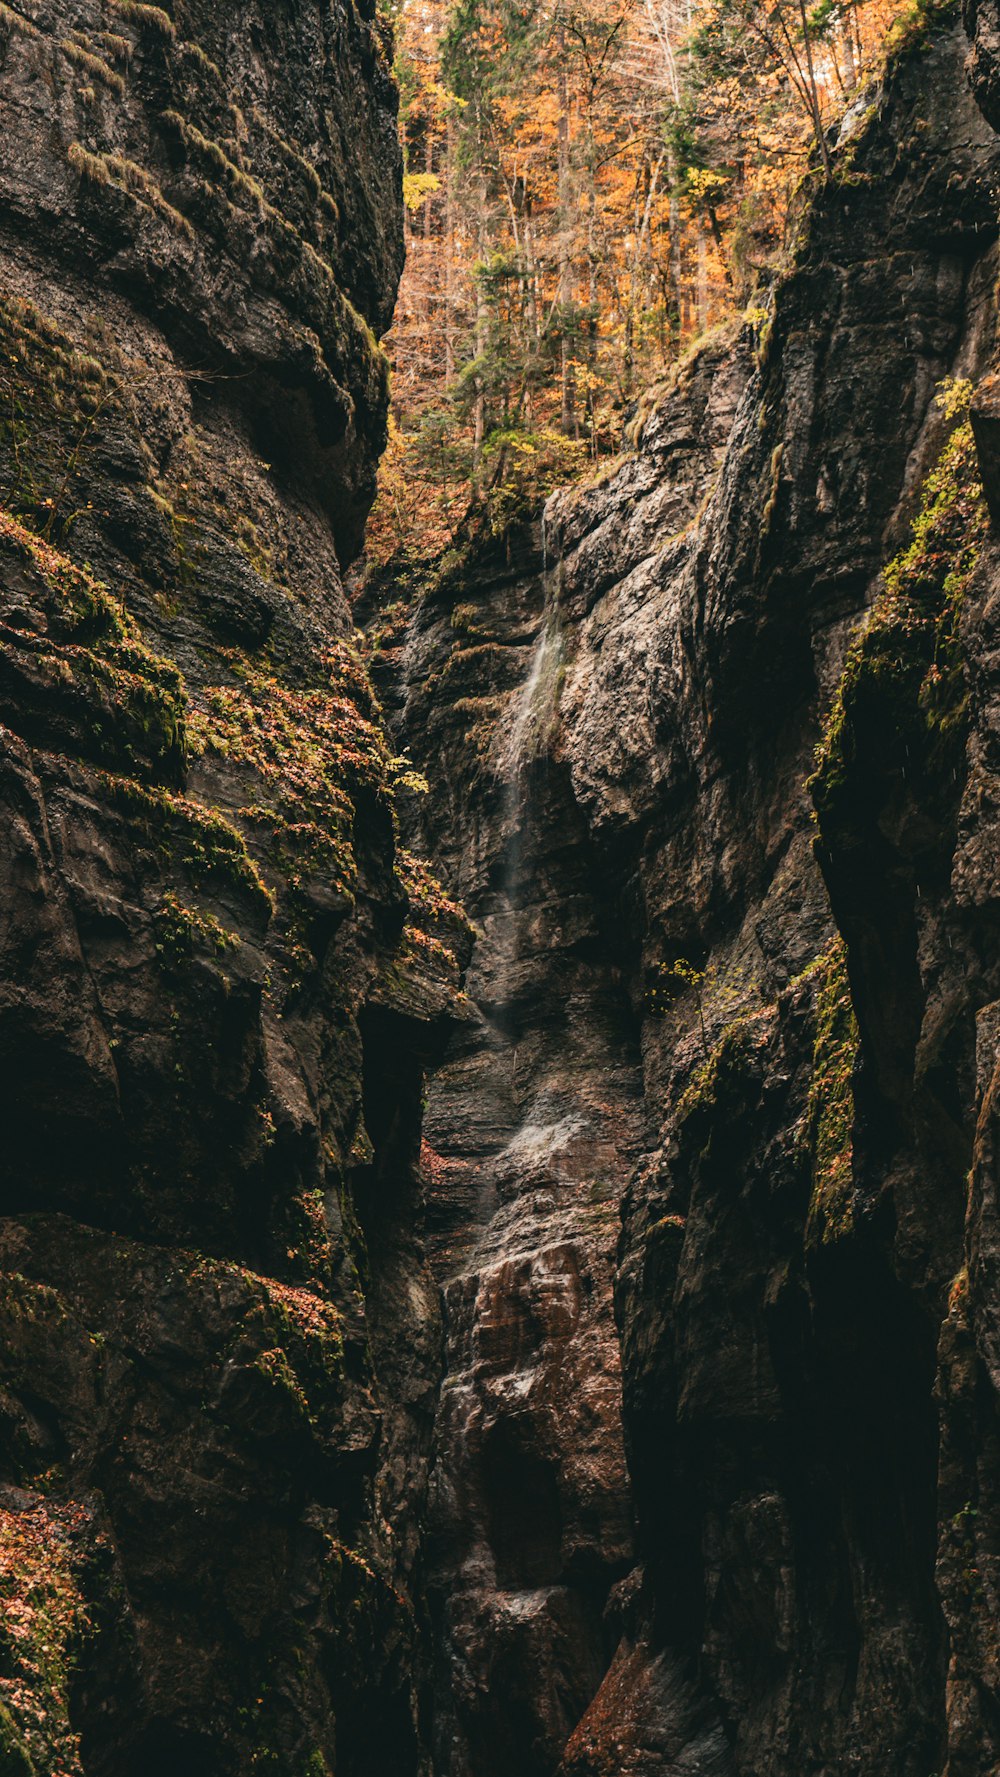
(566, 418)
(676, 257)
(814, 92)
(449, 259)
(592, 298)
(482, 334)
(428, 168)
(847, 39)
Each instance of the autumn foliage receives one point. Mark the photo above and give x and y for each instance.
(589, 186)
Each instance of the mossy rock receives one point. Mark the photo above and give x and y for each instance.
(901, 701)
(15, 1760)
(831, 1100)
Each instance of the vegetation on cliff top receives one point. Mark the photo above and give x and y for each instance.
(587, 190)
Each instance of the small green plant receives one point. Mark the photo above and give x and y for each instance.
(670, 980)
(180, 931)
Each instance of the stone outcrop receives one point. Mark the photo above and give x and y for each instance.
(220, 977)
(691, 1194)
(732, 983)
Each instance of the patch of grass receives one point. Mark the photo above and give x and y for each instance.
(830, 1114)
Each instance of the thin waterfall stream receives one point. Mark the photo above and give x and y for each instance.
(534, 1112)
(532, 724)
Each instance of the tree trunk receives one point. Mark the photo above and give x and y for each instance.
(566, 417)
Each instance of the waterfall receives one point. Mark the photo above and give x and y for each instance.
(531, 722)
(535, 708)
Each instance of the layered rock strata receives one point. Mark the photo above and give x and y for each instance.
(754, 1031)
(705, 1171)
(219, 976)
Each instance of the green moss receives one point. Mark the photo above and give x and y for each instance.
(42, 1619)
(901, 699)
(51, 395)
(150, 18)
(727, 1061)
(117, 46)
(830, 1113)
(23, 1299)
(915, 28)
(15, 1759)
(211, 155)
(115, 171)
(429, 903)
(206, 845)
(193, 52)
(479, 659)
(180, 931)
(91, 642)
(312, 750)
(767, 516)
(276, 1370)
(309, 1237)
(290, 1337)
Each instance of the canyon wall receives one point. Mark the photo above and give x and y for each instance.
(219, 981)
(732, 871)
(590, 1373)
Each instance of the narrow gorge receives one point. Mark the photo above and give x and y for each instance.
(499, 1060)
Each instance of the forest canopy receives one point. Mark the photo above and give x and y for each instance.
(591, 185)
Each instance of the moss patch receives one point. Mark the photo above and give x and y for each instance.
(830, 1113)
(312, 751)
(901, 700)
(42, 1620)
(182, 931)
(206, 845)
(726, 1062)
(82, 641)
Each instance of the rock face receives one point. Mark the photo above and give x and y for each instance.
(732, 984)
(219, 977)
(702, 1165)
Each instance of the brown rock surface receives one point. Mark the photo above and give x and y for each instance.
(619, 719)
(214, 1006)
(706, 1172)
